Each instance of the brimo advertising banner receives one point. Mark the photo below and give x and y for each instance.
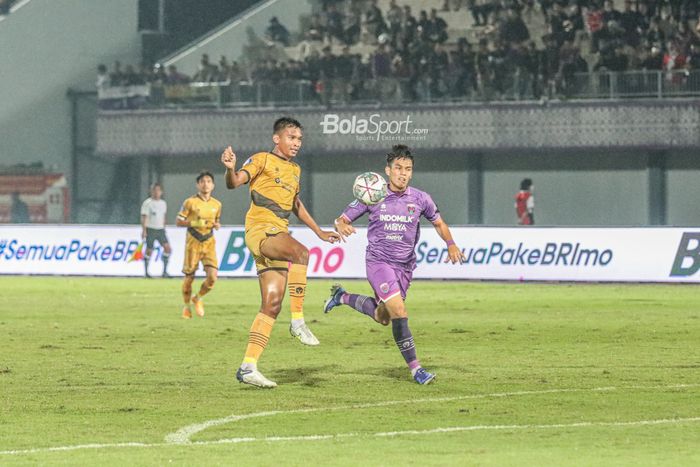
(514, 254)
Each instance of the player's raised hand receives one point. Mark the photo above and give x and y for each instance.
(228, 158)
(455, 255)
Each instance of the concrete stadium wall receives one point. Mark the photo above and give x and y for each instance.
(683, 185)
(582, 188)
(47, 47)
(620, 163)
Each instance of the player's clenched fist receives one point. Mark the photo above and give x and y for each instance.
(228, 158)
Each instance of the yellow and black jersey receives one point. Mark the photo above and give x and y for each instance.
(195, 208)
(274, 183)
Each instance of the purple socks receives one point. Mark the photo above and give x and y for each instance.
(362, 303)
(404, 340)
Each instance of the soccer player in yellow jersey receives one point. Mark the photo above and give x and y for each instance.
(274, 191)
(200, 214)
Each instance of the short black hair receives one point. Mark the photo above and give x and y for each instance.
(156, 184)
(205, 173)
(398, 151)
(284, 122)
(525, 184)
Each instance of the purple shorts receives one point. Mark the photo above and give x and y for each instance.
(388, 281)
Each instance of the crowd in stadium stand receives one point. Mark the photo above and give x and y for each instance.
(352, 49)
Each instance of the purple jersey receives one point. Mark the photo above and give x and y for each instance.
(394, 229)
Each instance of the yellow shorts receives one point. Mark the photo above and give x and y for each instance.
(196, 251)
(253, 239)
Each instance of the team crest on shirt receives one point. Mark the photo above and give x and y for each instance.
(382, 207)
(411, 208)
(277, 180)
(384, 287)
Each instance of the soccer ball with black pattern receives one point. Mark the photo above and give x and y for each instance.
(369, 188)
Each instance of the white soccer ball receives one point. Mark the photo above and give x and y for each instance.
(369, 188)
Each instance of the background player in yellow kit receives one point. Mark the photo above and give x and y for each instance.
(200, 214)
(274, 192)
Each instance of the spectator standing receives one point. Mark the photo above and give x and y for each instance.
(116, 77)
(693, 62)
(631, 21)
(381, 62)
(316, 30)
(673, 60)
(514, 29)
(103, 81)
(276, 32)
(175, 77)
(394, 18)
(408, 29)
(327, 64)
(463, 64)
(374, 21)
(334, 24)
(437, 28)
(207, 71)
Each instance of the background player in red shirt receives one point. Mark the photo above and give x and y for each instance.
(525, 203)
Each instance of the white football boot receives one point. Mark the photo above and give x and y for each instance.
(304, 334)
(254, 378)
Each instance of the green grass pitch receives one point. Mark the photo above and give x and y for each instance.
(105, 372)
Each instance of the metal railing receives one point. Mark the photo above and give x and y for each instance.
(658, 84)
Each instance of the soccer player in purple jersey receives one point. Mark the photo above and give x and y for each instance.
(392, 233)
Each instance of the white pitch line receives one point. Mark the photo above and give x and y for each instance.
(381, 434)
(182, 436)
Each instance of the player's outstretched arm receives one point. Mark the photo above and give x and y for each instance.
(304, 216)
(454, 253)
(233, 179)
